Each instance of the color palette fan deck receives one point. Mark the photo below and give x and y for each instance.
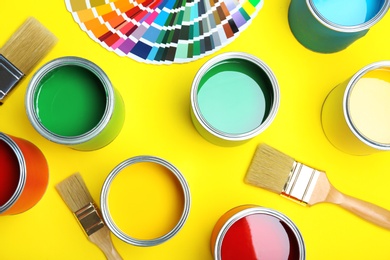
(163, 31)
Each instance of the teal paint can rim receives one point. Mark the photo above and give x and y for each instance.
(344, 28)
(106, 129)
(317, 33)
(216, 136)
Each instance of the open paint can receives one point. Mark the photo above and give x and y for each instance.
(145, 201)
(24, 175)
(356, 114)
(234, 97)
(71, 101)
(332, 25)
(251, 232)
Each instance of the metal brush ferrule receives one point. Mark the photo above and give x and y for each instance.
(89, 218)
(9, 75)
(301, 183)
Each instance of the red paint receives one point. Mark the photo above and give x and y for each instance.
(37, 174)
(9, 172)
(259, 236)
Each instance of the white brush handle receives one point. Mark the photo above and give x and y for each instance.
(366, 210)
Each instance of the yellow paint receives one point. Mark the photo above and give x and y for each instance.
(103, 9)
(369, 105)
(85, 15)
(78, 5)
(145, 200)
(249, 8)
(335, 127)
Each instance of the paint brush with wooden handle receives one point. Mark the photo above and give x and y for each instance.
(26, 47)
(279, 173)
(76, 195)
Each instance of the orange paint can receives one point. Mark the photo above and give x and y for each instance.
(24, 175)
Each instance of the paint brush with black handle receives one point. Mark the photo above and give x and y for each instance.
(277, 172)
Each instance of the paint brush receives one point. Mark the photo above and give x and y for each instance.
(26, 47)
(277, 172)
(77, 197)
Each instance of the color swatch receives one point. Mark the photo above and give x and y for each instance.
(163, 31)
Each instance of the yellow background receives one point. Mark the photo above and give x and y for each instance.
(158, 123)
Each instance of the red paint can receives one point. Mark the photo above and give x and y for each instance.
(251, 232)
(24, 175)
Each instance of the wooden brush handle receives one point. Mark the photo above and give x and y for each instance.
(367, 211)
(102, 239)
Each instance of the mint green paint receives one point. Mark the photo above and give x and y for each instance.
(70, 101)
(234, 96)
(187, 14)
(182, 51)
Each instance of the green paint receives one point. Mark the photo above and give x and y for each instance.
(111, 130)
(170, 36)
(160, 37)
(168, 20)
(187, 14)
(191, 32)
(234, 96)
(255, 2)
(196, 48)
(70, 101)
(180, 18)
(190, 50)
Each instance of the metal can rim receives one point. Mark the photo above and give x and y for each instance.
(348, 29)
(22, 172)
(258, 210)
(111, 223)
(64, 61)
(235, 55)
(348, 90)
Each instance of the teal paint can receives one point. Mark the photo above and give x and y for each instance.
(234, 97)
(332, 25)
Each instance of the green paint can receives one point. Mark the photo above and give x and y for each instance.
(71, 101)
(234, 97)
